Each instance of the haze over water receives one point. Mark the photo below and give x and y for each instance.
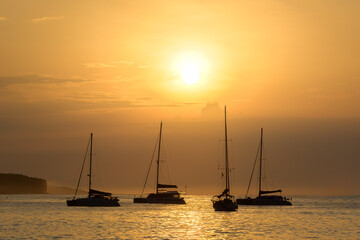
(48, 217)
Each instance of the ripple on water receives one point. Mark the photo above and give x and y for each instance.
(47, 216)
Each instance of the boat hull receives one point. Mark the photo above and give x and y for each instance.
(269, 200)
(225, 205)
(93, 202)
(162, 198)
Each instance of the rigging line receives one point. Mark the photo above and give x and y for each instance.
(152, 159)
(168, 158)
(268, 168)
(97, 170)
(100, 175)
(168, 172)
(264, 182)
(252, 172)
(82, 168)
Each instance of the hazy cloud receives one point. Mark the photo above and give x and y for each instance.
(35, 78)
(191, 103)
(3, 19)
(124, 62)
(45, 19)
(144, 98)
(60, 107)
(211, 110)
(98, 65)
(130, 63)
(143, 66)
(114, 64)
(243, 100)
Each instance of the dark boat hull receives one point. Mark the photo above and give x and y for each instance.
(93, 202)
(140, 200)
(225, 205)
(162, 198)
(269, 200)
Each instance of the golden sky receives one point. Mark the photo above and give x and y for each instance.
(112, 67)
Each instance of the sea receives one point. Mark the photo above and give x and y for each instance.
(47, 217)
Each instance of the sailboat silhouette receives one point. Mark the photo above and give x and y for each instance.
(162, 194)
(263, 198)
(225, 201)
(95, 198)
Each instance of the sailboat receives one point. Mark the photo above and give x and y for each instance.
(95, 198)
(225, 201)
(165, 193)
(263, 198)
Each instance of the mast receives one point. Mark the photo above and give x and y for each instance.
(261, 147)
(226, 158)
(158, 161)
(91, 144)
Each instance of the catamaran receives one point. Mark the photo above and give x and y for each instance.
(95, 198)
(263, 198)
(225, 201)
(165, 193)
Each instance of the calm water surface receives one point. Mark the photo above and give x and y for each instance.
(48, 217)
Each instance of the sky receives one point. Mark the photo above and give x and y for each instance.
(116, 68)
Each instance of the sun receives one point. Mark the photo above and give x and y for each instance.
(190, 71)
(190, 67)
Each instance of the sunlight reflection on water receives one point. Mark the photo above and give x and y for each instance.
(47, 216)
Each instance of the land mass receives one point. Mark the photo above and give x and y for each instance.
(11, 183)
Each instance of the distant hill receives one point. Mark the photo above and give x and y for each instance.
(11, 183)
